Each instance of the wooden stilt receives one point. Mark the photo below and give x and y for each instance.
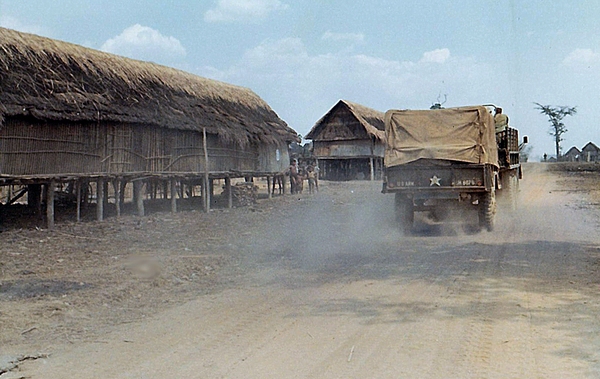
(372, 168)
(229, 192)
(283, 185)
(269, 194)
(100, 187)
(173, 195)
(105, 183)
(78, 185)
(211, 188)
(206, 168)
(117, 189)
(122, 191)
(181, 190)
(204, 194)
(211, 193)
(138, 189)
(50, 204)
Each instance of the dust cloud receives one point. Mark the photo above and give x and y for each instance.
(343, 219)
(349, 225)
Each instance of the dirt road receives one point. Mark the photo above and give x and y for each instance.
(337, 292)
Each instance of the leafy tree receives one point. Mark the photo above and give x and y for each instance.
(555, 116)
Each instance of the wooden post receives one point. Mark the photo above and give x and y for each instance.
(205, 184)
(372, 168)
(229, 192)
(269, 195)
(34, 191)
(50, 204)
(78, 211)
(105, 183)
(173, 195)
(117, 188)
(138, 189)
(122, 190)
(283, 185)
(100, 199)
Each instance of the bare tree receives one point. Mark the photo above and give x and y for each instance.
(555, 116)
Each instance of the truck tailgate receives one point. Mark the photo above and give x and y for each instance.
(406, 177)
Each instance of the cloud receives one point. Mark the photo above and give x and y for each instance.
(349, 37)
(301, 86)
(436, 56)
(15, 24)
(243, 10)
(582, 57)
(144, 43)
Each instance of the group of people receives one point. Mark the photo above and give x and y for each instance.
(298, 174)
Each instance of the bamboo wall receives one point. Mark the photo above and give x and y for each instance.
(348, 149)
(31, 147)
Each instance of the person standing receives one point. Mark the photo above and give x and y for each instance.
(311, 178)
(500, 120)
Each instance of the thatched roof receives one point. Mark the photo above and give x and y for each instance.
(590, 146)
(370, 119)
(50, 79)
(573, 151)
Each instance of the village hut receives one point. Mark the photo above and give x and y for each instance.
(74, 114)
(572, 155)
(348, 142)
(590, 153)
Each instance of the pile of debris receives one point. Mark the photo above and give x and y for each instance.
(243, 194)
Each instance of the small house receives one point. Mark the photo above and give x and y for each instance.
(590, 153)
(348, 142)
(572, 155)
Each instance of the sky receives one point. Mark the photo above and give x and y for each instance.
(303, 56)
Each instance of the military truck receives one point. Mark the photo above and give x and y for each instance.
(441, 160)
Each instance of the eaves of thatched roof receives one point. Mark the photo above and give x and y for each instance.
(370, 119)
(54, 80)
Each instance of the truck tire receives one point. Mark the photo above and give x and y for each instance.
(487, 210)
(510, 190)
(405, 212)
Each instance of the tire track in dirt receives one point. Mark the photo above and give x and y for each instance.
(373, 355)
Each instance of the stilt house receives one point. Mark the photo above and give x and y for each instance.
(70, 113)
(348, 142)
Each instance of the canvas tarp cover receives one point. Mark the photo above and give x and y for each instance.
(460, 134)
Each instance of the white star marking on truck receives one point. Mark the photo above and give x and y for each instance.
(435, 180)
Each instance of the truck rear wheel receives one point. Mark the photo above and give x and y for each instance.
(487, 210)
(405, 212)
(510, 190)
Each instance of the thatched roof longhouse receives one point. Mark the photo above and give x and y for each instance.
(54, 80)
